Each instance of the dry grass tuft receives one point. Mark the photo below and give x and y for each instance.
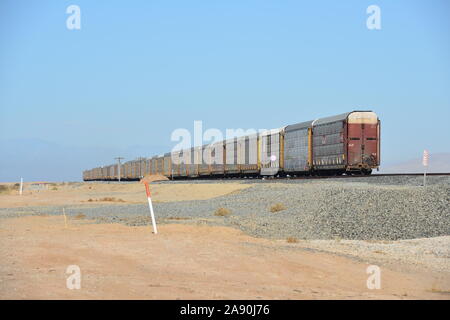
(222, 212)
(436, 289)
(107, 199)
(3, 188)
(177, 218)
(292, 240)
(277, 207)
(111, 199)
(378, 241)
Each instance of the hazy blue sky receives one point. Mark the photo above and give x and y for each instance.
(137, 70)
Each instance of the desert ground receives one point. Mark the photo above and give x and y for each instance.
(254, 248)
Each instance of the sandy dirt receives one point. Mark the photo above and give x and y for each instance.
(181, 262)
(193, 261)
(153, 177)
(45, 194)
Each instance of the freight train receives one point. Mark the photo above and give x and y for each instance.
(348, 143)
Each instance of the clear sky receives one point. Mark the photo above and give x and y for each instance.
(137, 70)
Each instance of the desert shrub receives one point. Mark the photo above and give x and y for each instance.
(292, 240)
(221, 212)
(107, 199)
(111, 199)
(4, 188)
(277, 207)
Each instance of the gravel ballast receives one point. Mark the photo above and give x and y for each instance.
(371, 208)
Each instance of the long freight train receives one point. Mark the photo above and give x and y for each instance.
(348, 143)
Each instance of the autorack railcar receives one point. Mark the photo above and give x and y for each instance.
(347, 143)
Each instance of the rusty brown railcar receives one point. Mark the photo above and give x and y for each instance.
(346, 143)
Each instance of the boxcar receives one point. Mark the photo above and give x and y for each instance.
(185, 159)
(297, 150)
(160, 165)
(247, 154)
(271, 152)
(329, 143)
(217, 158)
(167, 167)
(363, 141)
(192, 167)
(231, 157)
(176, 163)
(346, 143)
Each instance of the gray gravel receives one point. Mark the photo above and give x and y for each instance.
(376, 208)
(374, 179)
(433, 254)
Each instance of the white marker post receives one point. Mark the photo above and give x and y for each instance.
(147, 189)
(425, 164)
(21, 186)
(65, 219)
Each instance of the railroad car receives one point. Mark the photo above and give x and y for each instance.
(347, 143)
(247, 154)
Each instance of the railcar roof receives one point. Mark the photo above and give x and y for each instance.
(298, 126)
(339, 117)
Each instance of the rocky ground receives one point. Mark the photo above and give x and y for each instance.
(376, 208)
(393, 222)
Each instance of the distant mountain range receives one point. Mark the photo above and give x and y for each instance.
(438, 162)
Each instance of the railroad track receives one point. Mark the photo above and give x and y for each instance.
(411, 174)
(205, 178)
(361, 176)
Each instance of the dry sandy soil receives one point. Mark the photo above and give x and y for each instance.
(184, 261)
(46, 194)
